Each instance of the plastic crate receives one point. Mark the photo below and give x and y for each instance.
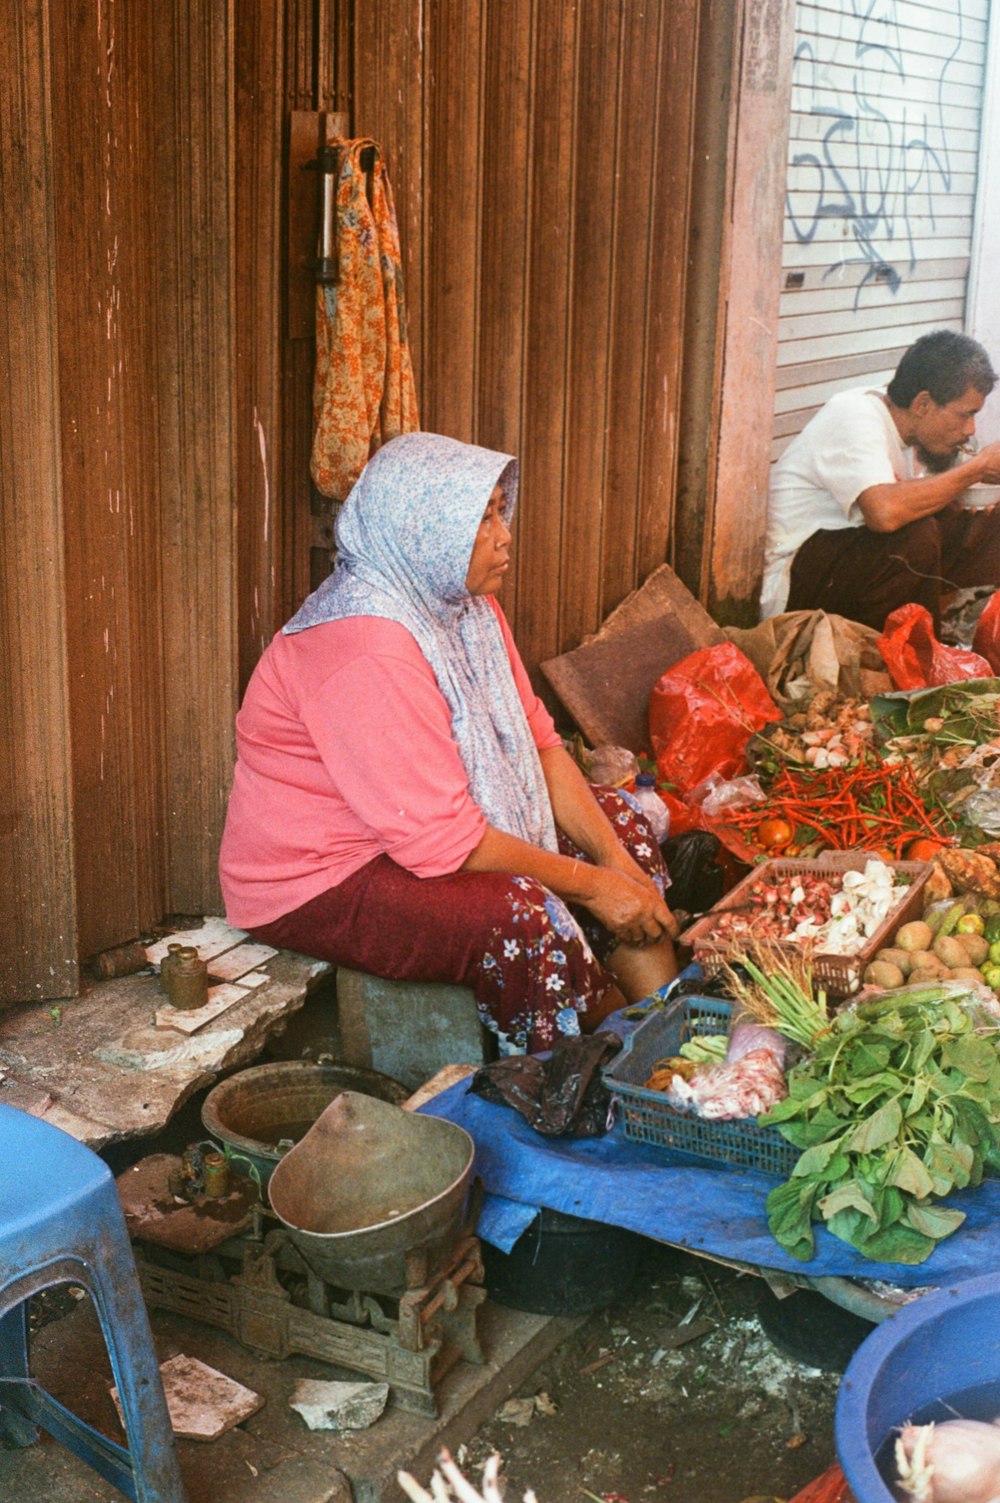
(648, 1117)
(839, 975)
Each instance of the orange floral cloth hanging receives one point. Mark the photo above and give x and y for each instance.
(363, 392)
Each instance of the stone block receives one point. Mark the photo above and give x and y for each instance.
(409, 1029)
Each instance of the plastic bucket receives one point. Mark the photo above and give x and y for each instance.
(940, 1345)
(563, 1265)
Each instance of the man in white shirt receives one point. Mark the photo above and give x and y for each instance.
(864, 512)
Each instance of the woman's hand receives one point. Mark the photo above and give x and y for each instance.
(629, 906)
(619, 860)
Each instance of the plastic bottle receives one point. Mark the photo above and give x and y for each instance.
(652, 806)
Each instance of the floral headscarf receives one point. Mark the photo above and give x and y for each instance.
(404, 540)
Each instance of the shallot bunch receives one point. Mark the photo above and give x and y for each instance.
(750, 1079)
(739, 1088)
(957, 1461)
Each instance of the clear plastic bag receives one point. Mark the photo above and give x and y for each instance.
(722, 795)
(611, 766)
(982, 809)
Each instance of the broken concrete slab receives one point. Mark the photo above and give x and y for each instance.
(210, 938)
(100, 1068)
(605, 683)
(202, 1402)
(235, 964)
(154, 1214)
(338, 1406)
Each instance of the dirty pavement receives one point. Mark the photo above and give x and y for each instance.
(673, 1393)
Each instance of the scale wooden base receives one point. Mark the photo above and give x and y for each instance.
(230, 1264)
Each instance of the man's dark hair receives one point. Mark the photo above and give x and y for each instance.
(945, 364)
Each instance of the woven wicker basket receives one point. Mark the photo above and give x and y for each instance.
(839, 975)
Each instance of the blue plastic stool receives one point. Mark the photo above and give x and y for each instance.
(61, 1221)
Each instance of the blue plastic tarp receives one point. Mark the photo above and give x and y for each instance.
(712, 1210)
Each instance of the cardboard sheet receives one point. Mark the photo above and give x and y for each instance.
(605, 682)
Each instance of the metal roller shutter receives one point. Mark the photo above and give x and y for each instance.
(886, 105)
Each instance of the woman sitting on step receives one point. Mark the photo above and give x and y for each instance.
(402, 803)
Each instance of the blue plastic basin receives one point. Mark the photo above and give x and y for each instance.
(939, 1345)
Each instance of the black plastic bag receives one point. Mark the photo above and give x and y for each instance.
(696, 878)
(562, 1096)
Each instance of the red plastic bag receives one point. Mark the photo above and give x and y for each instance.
(702, 713)
(917, 660)
(683, 817)
(987, 639)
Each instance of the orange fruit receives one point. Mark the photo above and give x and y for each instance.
(774, 833)
(924, 848)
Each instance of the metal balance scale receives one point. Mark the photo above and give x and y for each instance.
(363, 1260)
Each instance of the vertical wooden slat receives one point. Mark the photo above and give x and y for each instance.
(37, 888)
(704, 325)
(750, 289)
(639, 138)
(550, 241)
(507, 171)
(673, 121)
(194, 135)
(389, 81)
(300, 52)
(259, 112)
(305, 132)
(336, 20)
(595, 149)
(451, 216)
(141, 518)
(105, 349)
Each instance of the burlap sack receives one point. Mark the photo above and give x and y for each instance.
(802, 652)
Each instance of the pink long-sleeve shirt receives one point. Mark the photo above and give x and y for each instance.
(345, 752)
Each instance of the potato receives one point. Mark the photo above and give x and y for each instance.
(924, 960)
(914, 936)
(975, 946)
(969, 974)
(927, 973)
(950, 951)
(901, 958)
(884, 974)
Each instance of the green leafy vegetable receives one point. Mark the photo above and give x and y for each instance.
(898, 1103)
